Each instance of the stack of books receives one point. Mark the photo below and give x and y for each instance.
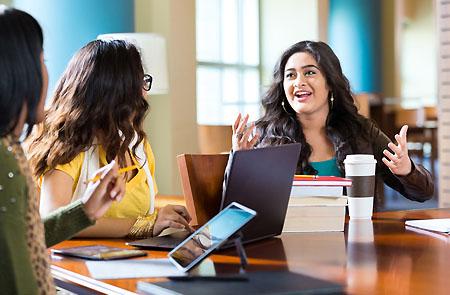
(317, 203)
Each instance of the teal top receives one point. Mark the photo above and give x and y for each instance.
(327, 168)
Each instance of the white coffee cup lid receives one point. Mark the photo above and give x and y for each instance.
(360, 159)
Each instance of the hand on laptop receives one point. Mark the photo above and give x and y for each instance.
(242, 133)
(172, 216)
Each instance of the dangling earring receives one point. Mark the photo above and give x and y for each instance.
(331, 100)
(284, 108)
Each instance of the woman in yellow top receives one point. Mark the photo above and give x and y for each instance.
(96, 116)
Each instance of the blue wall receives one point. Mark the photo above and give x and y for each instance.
(70, 24)
(354, 33)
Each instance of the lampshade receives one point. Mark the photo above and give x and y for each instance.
(153, 51)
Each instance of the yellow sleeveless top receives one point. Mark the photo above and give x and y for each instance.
(136, 201)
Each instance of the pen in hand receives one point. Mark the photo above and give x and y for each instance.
(121, 171)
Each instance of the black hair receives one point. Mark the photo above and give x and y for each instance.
(21, 42)
(279, 125)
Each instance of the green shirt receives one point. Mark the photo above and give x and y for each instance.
(327, 168)
(15, 266)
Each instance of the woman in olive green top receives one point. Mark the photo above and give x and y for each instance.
(24, 266)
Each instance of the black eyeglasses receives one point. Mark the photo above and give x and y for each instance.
(147, 82)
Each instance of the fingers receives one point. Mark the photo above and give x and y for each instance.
(109, 178)
(393, 158)
(389, 164)
(242, 138)
(401, 137)
(254, 140)
(182, 211)
(248, 132)
(176, 214)
(398, 151)
(242, 126)
(171, 224)
(118, 190)
(404, 131)
(108, 173)
(236, 123)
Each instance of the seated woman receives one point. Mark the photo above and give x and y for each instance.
(310, 102)
(24, 263)
(96, 116)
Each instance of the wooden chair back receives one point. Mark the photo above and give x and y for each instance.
(214, 139)
(202, 178)
(411, 117)
(362, 103)
(431, 113)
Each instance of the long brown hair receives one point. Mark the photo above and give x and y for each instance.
(98, 96)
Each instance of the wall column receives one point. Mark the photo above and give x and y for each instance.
(68, 25)
(172, 122)
(354, 33)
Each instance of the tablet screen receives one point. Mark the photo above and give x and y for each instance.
(210, 236)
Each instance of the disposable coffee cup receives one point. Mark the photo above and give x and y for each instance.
(360, 168)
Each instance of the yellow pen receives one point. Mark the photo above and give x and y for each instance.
(121, 171)
(305, 176)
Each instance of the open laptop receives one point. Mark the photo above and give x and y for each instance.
(260, 179)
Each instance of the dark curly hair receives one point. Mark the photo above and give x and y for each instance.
(280, 125)
(98, 95)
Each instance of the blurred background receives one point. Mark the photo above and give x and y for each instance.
(221, 53)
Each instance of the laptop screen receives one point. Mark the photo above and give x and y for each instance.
(261, 179)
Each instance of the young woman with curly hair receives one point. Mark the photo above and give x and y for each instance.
(310, 102)
(96, 115)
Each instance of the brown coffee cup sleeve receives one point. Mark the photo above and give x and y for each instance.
(362, 186)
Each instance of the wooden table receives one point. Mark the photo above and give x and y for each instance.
(378, 256)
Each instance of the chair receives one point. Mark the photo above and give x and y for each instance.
(214, 139)
(431, 113)
(414, 118)
(420, 132)
(201, 178)
(362, 102)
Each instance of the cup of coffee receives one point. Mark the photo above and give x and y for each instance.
(360, 168)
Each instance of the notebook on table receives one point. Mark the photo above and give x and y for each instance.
(439, 225)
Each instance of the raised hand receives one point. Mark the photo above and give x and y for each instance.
(398, 160)
(241, 134)
(100, 194)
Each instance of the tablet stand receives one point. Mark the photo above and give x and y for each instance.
(237, 239)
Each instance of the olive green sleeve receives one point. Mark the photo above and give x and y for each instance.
(15, 265)
(65, 222)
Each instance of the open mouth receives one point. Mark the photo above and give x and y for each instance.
(302, 95)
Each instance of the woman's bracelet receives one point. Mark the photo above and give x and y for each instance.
(143, 227)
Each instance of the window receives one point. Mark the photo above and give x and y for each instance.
(228, 69)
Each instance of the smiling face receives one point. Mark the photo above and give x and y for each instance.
(305, 85)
